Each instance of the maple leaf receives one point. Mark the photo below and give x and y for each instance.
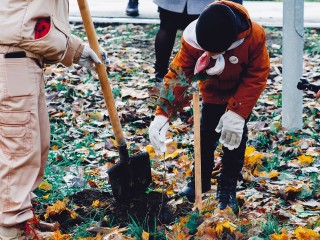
(163, 105)
(57, 208)
(168, 94)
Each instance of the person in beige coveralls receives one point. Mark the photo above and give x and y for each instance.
(33, 33)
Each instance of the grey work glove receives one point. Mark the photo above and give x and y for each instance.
(89, 57)
(157, 134)
(231, 127)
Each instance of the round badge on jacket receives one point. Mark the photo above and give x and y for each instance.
(233, 59)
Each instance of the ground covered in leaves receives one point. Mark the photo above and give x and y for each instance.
(279, 195)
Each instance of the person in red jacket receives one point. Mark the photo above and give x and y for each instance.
(226, 51)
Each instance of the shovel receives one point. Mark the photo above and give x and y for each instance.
(131, 176)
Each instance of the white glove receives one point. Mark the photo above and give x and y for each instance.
(231, 125)
(157, 133)
(88, 57)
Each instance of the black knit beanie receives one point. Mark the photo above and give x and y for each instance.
(216, 28)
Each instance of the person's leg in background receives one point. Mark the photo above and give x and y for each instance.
(170, 22)
(132, 8)
(164, 42)
(23, 146)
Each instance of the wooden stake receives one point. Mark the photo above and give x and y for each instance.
(197, 151)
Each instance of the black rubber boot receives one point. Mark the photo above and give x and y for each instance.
(132, 8)
(226, 194)
(189, 190)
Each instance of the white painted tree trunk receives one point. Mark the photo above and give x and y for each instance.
(292, 63)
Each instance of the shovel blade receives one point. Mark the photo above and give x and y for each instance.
(130, 179)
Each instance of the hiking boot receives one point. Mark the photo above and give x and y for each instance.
(132, 8)
(189, 190)
(226, 194)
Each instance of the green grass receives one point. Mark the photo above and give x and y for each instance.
(270, 227)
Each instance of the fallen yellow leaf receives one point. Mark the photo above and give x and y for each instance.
(45, 186)
(145, 235)
(56, 208)
(221, 227)
(305, 160)
(189, 173)
(306, 234)
(183, 220)
(249, 151)
(96, 115)
(46, 196)
(114, 142)
(273, 174)
(169, 190)
(282, 236)
(172, 147)
(151, 151)
(95, 203)
(54, 148)
(293, 189)
(58, 236)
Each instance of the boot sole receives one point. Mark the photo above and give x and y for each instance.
(132, 14)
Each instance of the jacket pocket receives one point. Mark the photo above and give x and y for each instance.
(53, 45)
(15, 135)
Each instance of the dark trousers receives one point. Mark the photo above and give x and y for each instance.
(232, 160)
(170, 23)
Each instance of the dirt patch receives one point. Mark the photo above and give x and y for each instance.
(144, 211)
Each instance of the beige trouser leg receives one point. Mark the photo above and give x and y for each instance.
(24, 137)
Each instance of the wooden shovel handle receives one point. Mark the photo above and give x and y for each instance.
(102, 72)
(197, 151)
